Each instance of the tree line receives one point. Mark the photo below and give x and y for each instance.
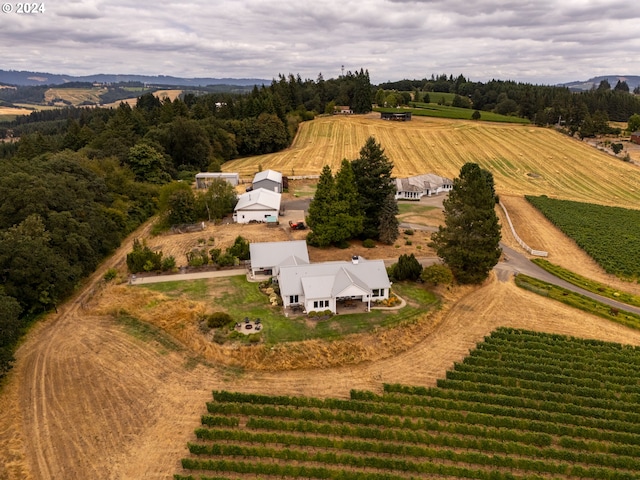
(586, 113)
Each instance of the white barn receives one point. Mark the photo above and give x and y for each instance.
(413, 188)
(268, 257)
(256, 206)
(204, 179)
(319, 286)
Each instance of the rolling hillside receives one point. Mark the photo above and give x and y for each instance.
(523, 159)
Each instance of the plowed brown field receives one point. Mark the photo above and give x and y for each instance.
(524, 159)
(86, 399)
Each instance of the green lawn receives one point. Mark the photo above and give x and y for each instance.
(443, 111)
(413, 208)
(241, 299)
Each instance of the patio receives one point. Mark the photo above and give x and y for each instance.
(249, 326)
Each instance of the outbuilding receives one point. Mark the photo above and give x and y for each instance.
(635, 137)
(204, 179)
(257, 206)
(268, 257)
(269, 180)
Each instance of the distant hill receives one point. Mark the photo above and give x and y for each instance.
(24, 78)
(632, 80)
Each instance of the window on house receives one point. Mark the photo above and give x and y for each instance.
(326, 303)
(293, 299)
(375, 293)
(315, 304)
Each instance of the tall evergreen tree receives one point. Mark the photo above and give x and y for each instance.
(388, 221)
(319, 209)
(362, 97)
(334, 213)
(346, 211)
(373, 180)
(469, 243)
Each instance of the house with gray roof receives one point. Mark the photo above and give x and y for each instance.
(319, 286)
(269, 180)
(257, 206)
(418, 186)
(268, 257)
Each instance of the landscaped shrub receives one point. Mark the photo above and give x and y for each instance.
(215, 254)
(240, 248)
(218, 319)
(437, 274)
(198, 258)
(168, 263)
(409, 231)
(143, 259)
(110, 274)
(368, 243)
(407, 268)
(226, 260)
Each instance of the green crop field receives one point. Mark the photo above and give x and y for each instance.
(445, 111)
(610, 235)
(522, 405)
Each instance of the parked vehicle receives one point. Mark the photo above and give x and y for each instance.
(297, 225)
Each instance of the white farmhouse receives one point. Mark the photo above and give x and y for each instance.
(256, 206)
(319, 286)
(268, 257)
(413, 188)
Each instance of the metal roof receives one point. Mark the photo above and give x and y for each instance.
(259, 199)
(328, 279)
(268, 175)
(273, 254)
(421, 182)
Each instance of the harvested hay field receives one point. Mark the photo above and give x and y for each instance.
(76, 96)
(524, 159)
(161, 94)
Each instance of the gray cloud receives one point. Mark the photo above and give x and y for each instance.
(543, 42)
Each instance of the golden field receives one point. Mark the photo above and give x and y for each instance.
(75, 95)
(524, 159)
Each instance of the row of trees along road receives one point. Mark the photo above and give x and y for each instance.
(358, 202)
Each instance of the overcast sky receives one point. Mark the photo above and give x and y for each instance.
(541, 41)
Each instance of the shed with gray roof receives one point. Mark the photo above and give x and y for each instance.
(269, 180)
(268, 257)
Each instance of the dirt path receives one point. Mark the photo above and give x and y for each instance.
(89, 400)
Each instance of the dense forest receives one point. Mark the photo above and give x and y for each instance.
(75, 181)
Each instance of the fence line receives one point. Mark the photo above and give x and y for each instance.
(537, 253)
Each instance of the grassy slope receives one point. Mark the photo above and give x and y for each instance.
(524, 159)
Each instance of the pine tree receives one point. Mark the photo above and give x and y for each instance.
(345, 212)
(388, 224)
(373, 180)
(319, 210)
(334, 213)
(469, 243)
